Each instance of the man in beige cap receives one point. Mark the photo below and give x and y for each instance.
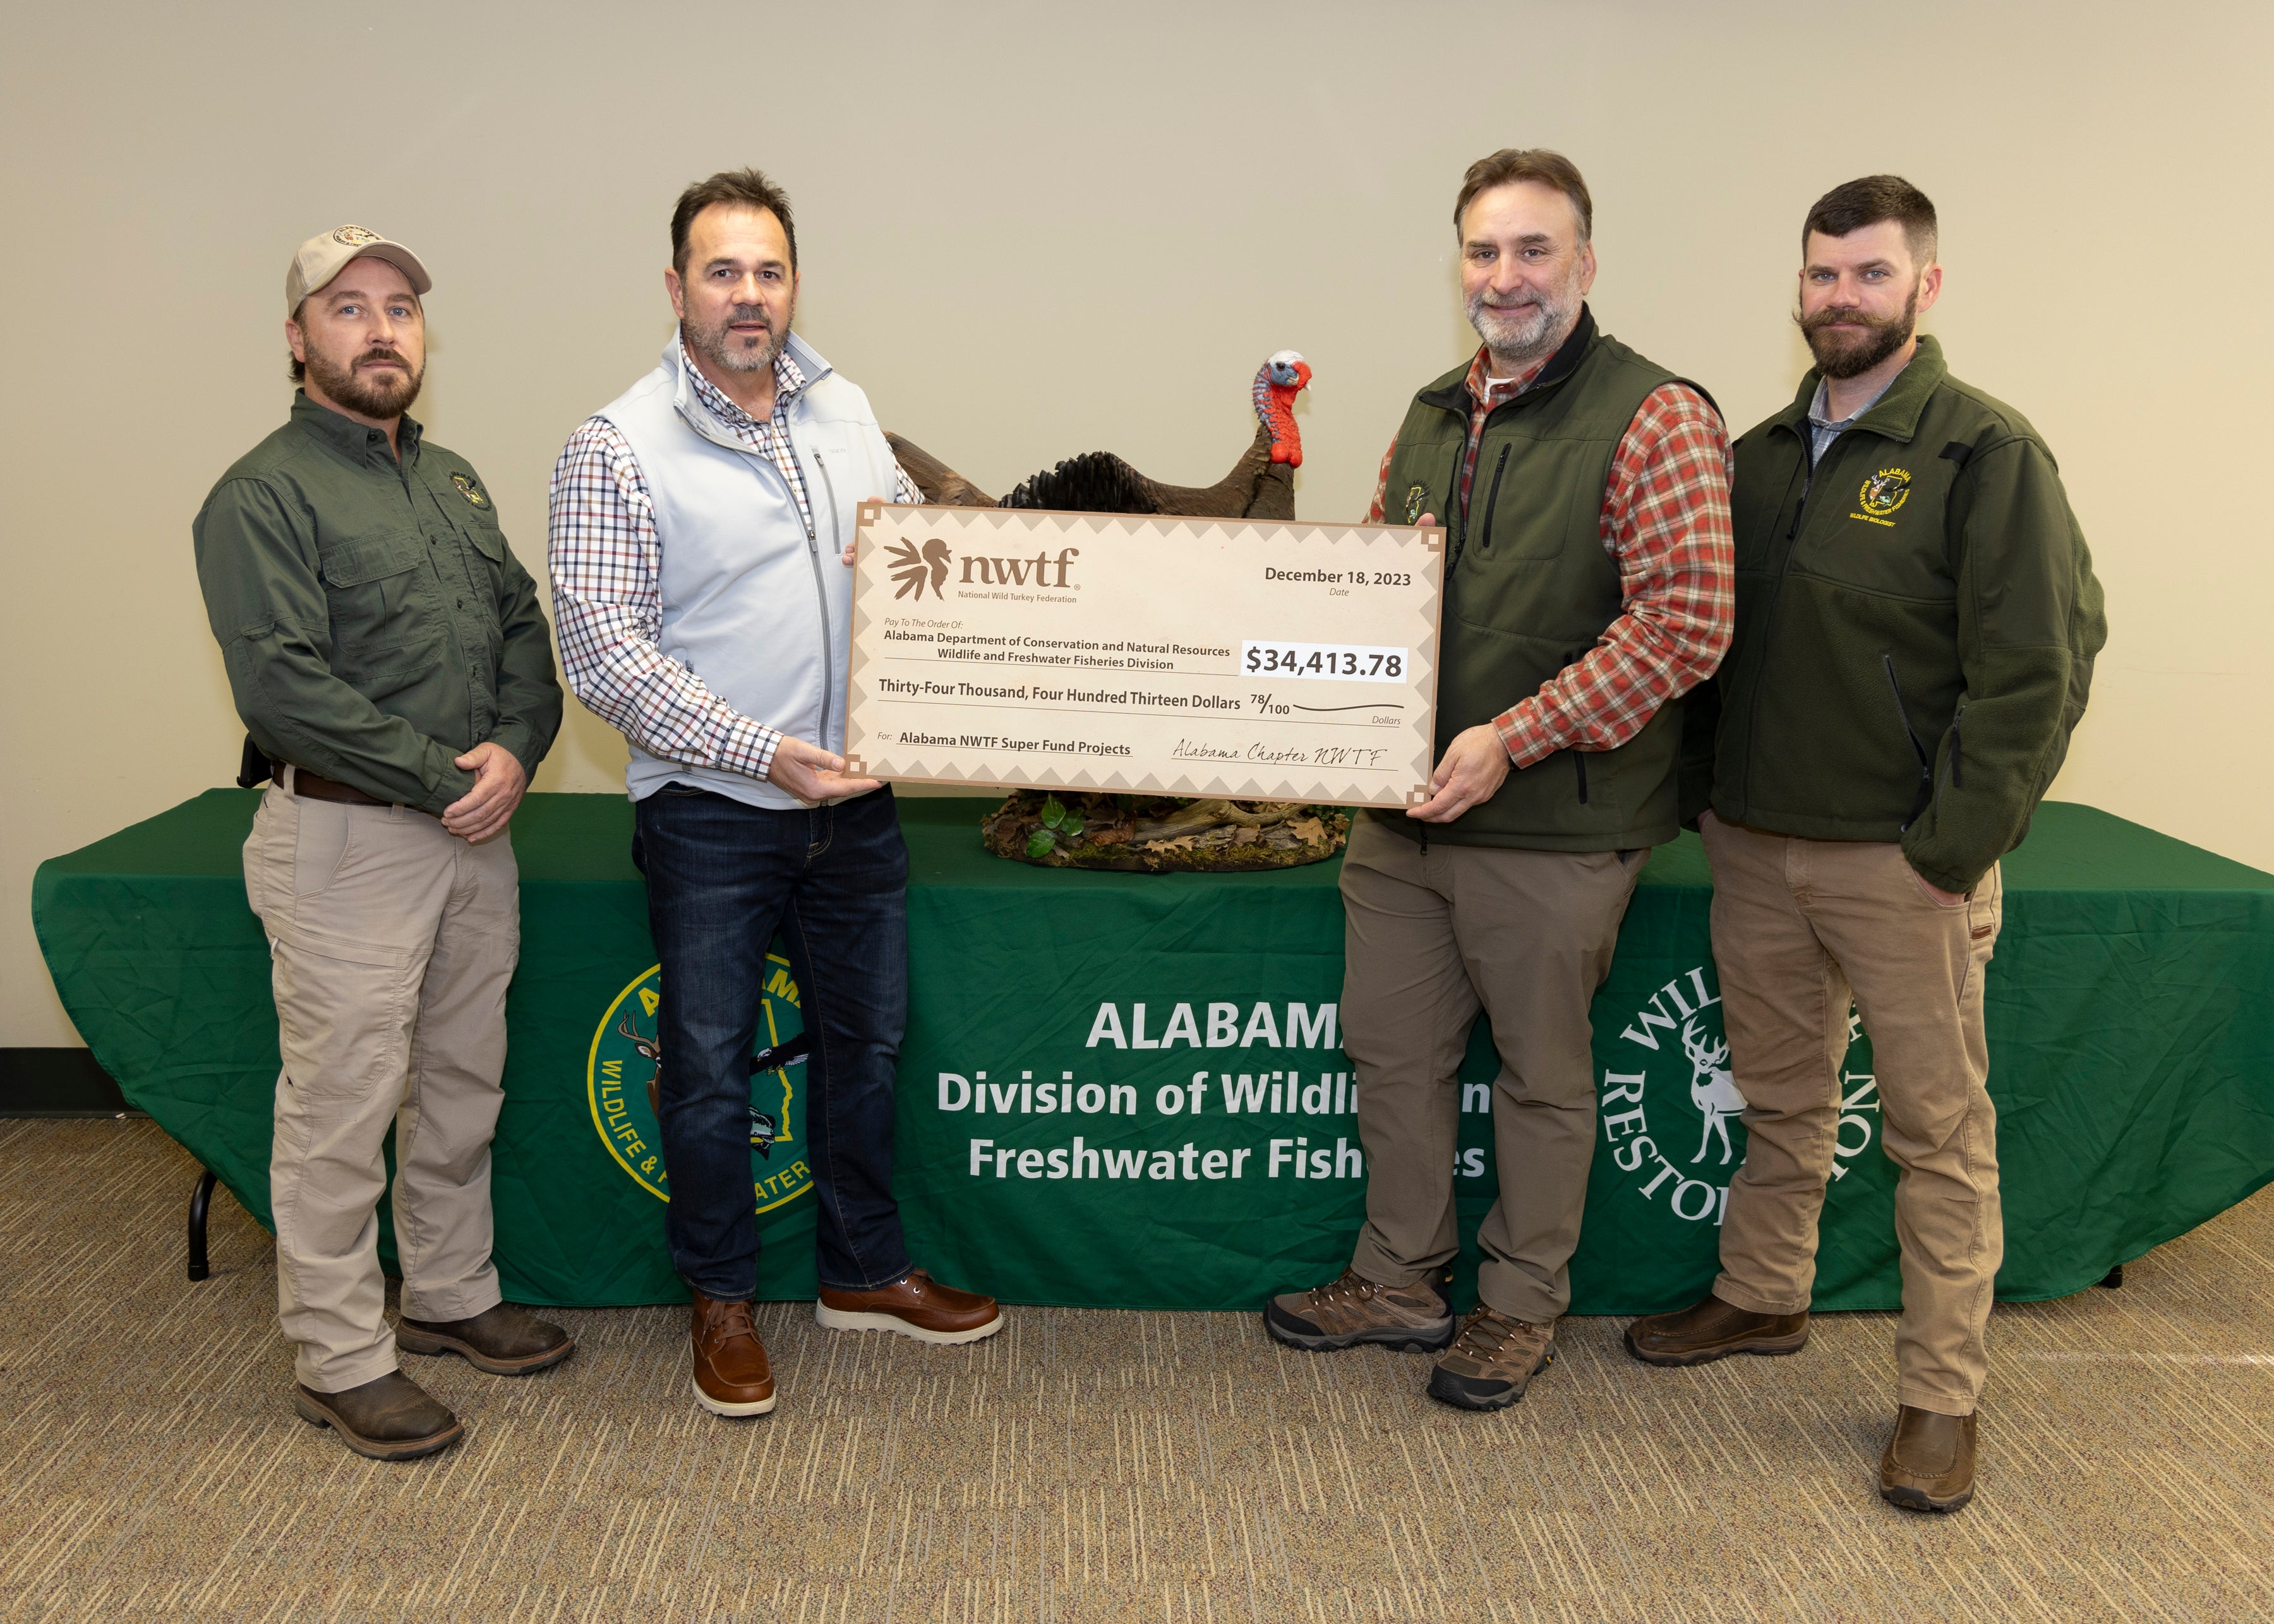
(391, 663)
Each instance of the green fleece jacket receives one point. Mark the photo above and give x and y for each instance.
(1916, 622)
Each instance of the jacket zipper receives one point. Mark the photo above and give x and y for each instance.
(1492, 501)
(820, 588)
(1925, 762)
(1768, 628)
(1578, 757)
(1956, 781)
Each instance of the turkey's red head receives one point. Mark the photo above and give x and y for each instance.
(1277, 381)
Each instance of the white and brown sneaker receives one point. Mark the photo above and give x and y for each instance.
(1352, 1309)
(1492, 1361)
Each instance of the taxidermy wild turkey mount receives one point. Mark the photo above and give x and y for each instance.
(1156, 833)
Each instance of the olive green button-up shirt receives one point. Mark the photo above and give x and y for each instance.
(372, 621)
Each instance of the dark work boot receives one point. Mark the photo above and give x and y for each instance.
(505, 1341)
(393, 1419)
(1929, 1465)
(1713, 1329)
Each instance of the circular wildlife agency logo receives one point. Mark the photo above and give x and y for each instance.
(1673, 1118)
(623, 1077)
(1885, 492)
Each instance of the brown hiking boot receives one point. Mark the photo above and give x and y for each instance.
(393, 1419)
(1712, 1329)
(1352, 1309)
(1929, 1465)
(1492, 1361)
(732, 1376)
(505, 1340)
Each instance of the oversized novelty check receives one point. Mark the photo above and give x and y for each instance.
(1251, 660)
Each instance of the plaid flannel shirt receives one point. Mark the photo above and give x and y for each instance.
(608, 593)
(1665, 523)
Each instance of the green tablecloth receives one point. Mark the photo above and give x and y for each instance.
(2130, 1061)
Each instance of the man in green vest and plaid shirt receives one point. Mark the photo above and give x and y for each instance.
(1588, 586)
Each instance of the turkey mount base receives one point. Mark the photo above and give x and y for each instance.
(1138, 833)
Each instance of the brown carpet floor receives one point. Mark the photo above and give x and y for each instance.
(1090, 1465)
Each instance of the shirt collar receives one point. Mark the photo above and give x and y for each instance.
(1820, 408)
(789, 382)
(1488, 392)
(356, 438)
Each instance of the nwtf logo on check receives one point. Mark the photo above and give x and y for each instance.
(927, 566)
(1682, 1091)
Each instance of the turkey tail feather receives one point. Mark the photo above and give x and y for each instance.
(1095, 482)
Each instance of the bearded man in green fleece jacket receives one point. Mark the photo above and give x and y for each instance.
(1916, 622)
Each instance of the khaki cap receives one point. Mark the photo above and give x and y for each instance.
(325, 255)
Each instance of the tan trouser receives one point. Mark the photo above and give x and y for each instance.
(392, 942)
(1429, 939)
(1797, 924)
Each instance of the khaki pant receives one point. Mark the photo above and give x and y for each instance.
(392, 942)
(1797, 926)
(1429, 939)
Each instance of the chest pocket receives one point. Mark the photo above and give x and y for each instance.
(1875, 523)
(1530, 497)
(382, 613)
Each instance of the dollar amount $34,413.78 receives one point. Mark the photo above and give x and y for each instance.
(1342, 661)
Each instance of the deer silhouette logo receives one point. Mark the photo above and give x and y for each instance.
(1713, 1089)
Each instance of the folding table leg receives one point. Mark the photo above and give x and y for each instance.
(200, 1204)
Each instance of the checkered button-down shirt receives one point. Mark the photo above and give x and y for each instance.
(607, 592)
(1665, 523)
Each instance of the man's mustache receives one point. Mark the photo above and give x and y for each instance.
(371, 357)
(1851, 318)
(749, 313)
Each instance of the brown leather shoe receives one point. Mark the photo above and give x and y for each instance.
(505, 1340)
(917, 1305)
(1712, 1329)
(393, 1419)
(732, 1376)
(1929, 1465)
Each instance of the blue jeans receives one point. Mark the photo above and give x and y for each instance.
(722, 879)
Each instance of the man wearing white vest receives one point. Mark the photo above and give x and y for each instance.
(698, 536)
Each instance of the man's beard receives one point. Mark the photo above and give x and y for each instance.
(387, 394)
(1532, 334)
(1840, 355)
(729, 352)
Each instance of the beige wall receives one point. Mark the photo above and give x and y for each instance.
(1034, 230)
